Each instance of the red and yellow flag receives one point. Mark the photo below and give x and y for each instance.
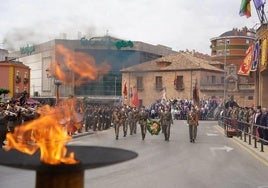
(246, 65)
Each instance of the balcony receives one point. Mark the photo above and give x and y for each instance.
(211, 87)
(244, 87)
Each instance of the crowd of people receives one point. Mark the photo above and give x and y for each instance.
(252, 120)
(98, 117)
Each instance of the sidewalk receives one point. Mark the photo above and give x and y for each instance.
(256, 152)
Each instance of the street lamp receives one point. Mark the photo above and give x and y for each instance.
(57, 83)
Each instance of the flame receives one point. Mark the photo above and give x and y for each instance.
(76, 67)
(45, 133)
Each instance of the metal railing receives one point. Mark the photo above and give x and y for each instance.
(244, 130)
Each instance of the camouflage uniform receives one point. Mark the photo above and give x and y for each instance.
(116, 124)
(143, 117)
(166, 121)
(122, 120)
(192, 120)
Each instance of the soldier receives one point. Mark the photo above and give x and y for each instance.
(116, 124)
(143, 117)
(122, 120)
(192, 120)
(136, 119)
(131, 120)
(3, 125)
(166, 121)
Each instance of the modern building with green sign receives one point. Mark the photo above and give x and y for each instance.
(115, 52)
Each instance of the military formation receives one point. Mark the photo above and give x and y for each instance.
(13, 114)
(93, 117)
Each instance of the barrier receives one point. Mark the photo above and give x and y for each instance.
(246, 131)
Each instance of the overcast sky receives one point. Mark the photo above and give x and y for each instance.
(179, 24)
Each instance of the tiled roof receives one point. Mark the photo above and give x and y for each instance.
(173, 62)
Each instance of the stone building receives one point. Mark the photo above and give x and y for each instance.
(172, 77)
(262, 71)
(230, 49)
(116, 52)
(15, 76)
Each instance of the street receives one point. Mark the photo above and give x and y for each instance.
(213, 161)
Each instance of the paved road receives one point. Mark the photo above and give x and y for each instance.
(213, 161)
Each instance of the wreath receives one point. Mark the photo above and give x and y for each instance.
(153, 127)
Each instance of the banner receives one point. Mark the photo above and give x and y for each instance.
(263, 55)
(255, 57)
(246, 65)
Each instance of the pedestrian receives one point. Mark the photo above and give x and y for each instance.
(166, 121)
(192, 120)
(143, 117)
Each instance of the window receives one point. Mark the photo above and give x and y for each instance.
(139, 82)
(222, 80)
(158, 82)
(219, 52)
(227, 52)
(179, 82)
(213, 79)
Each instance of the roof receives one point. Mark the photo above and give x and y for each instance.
(174, 62)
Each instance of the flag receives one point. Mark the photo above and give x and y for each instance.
(255, 57)
(263, 55)
(245, 8)
(258, 4)
(246, 65)
(196, 94)
(175, 79)
(135, 99)
(125, 89)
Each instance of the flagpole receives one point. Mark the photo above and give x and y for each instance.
(224, 89)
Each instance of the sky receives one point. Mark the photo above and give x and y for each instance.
(179, 24)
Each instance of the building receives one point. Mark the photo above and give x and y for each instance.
(262, 71)
(116, 52)
(230, 49)
(15, 76)
(172, 77)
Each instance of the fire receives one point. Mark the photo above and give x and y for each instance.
(45, 133)
(76, 68)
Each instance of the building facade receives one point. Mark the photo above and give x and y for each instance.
(230, 49)
(262, 71)
(171, 77)
(116, 52)
(15, 76)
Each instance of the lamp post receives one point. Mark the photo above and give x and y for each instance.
(57, 83)
(115, 78)
(224, 89)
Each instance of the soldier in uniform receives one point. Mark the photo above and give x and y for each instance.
(143, 117)
(3, 125)
(192, 120)
(136, 119)
(166, 121)
(122, 120)
(131, 120)
(116, 124)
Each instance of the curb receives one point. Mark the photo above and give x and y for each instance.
(82, 134)
(255, 152)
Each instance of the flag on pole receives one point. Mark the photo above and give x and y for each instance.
(246, 65)
(125, 89)
(175, 79)
(245, 8)
(263, 55)
(258, 4)
(196, 94)
(255, 57)
(135, 99)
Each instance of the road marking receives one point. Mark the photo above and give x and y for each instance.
(224, 148)
(245, 148)
(212, 134)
